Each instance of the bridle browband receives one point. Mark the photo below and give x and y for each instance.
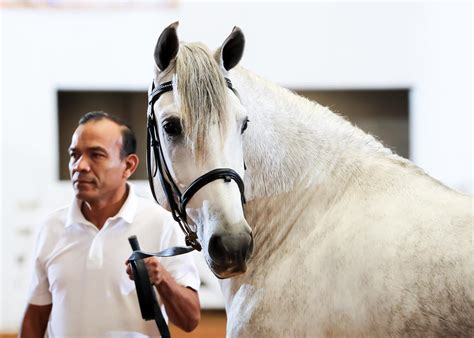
(177, 201)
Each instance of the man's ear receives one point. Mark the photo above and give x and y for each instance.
(131, 164)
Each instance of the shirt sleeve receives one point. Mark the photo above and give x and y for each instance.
(182, 267)
(39, 293)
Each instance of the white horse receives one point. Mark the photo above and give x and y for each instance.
(348, 238)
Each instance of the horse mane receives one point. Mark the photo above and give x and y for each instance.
(331, 144)
(200, 94)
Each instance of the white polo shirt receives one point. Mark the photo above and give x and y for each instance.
(81, 270)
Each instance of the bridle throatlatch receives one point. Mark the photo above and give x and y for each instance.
(177, 201)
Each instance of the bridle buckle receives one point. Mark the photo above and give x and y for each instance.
(191, 240)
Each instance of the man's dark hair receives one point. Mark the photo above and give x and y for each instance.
(129, 140)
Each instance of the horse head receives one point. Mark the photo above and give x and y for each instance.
(199, 122)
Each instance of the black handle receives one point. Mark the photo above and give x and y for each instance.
(149, 307)
(133, 240)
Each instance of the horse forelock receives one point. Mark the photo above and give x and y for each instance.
(200, 94)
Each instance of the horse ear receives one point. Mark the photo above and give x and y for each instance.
(167, 46)
(232, 49)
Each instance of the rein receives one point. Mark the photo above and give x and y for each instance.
(177, 201)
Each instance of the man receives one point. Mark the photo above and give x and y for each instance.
(80, 284)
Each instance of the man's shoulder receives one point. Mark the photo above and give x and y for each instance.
(51, 227)
(150, 206)
(150, 209)
(59, 213)
(154, 221)
(55, 218)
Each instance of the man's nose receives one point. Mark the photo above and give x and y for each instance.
(81, 165)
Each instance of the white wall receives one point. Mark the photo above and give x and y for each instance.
(422, 46)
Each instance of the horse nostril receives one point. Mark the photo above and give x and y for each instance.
(228, 249)
(216, 248)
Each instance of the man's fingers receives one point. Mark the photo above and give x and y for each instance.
(129, 271)
(153, 267)
(152, 261)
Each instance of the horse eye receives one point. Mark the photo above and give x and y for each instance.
(172, 127)
(244, 125)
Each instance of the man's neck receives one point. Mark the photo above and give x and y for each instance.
(97, 212)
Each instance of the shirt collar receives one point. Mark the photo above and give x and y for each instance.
(126, 212)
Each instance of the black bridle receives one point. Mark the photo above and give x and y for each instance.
(149, 306)
(177, 201)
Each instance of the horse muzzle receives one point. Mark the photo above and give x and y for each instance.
(229, 253)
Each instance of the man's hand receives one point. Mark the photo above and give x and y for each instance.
(156, 272)
(181, 303)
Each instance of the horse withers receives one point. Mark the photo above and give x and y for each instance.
(339, 236)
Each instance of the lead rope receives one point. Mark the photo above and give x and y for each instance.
(149, 306)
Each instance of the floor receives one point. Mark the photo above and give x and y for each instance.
(212, 325)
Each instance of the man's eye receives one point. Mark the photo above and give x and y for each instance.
(172, 127)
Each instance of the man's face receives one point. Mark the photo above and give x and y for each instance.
(97, 171)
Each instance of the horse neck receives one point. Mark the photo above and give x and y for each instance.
(293, 142)
(298, 151)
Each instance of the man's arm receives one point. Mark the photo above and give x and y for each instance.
(35, 321)
(181, 303)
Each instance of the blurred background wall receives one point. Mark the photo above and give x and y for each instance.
(421, 48)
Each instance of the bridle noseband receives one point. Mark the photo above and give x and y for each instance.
(177, 201)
